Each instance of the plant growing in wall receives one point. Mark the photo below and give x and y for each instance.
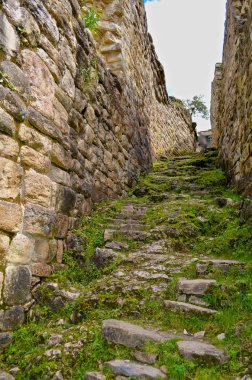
(89, 74)
(5, 81)
(197, 106)
(91, 18)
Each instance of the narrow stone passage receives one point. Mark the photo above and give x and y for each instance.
(171, 294)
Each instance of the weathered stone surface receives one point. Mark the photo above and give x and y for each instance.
(6, 376)
(39, 221)
(12, 216)
(17, 284)
(4, 246)
(94, 376)
(5, 341)
(17, 78)
(10, 179)
(231, 101)
(145, 357)
(13, 104)
(103, 257)
(133, 369)
(35, 140)
(13, 318)
(196, 287)
(224, 265)
(37, 188)
(208, 352)
(7, 124)
(21, 249)
(187, 307)
(54, 340)
(9, 41)
(31, 158)
(9, 148)
(41, 270)
(127, 334)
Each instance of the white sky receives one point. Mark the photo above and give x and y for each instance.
(188, 37)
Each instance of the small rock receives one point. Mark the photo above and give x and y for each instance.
(145, 357)
(5, 376)
(221, 336)
(54, 340)
(187, 307)
(128, 334)
(14, 370)
(135, 370)
(103, 257)
(208, 352)
(5, 340)
(116, 245)
(222, 202)
(195, 287)
(94, 376)
(61, 322)
(199, 334)
(52, 353)
(58, 376)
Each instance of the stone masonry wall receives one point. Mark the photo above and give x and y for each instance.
(231, 109)
(75, 128)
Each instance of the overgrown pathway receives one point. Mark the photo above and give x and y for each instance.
(157, 285)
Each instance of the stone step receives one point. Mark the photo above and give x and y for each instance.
(195, 287)
(187, 307)
(134, 370)
(204, 266)
(192, 350)
(129, 335)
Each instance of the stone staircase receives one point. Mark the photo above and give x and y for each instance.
(145, 255)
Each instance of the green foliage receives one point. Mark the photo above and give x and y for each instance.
(197, 107)
(89, 74)
(5, 81)
(91, 18)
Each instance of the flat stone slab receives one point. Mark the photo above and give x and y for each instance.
(94, 376)
(136, 370)
(195, 287)
(224, 265)
(129, 335)
(199, 350)
(183, 306)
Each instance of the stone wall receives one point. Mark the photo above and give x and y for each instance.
(75, 128)
(231, 109)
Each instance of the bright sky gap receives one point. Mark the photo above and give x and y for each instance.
(188, 37)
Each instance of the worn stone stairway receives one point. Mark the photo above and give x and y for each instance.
(148, 267)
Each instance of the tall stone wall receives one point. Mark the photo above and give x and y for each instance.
(231, 109)
(75, 128)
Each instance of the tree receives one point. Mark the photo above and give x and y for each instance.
(197, 106)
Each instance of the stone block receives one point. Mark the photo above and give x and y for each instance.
(31, 158)
(62, 224)
(60, 176)
(67, 84)
(13, 318)
(41, 251)
(12, 103)
(65, 199)
(42, 82)
(9, 148)
(37, 189)
(5, 341)
(61, 157)
(10, 179)
(17, 284)
(9, 40)
(41, 270)
(44, 19)
(35, 140)
(39, 221)
(7, 124)
(10, 216)
(43, 125)
(21, 249)
(4, 246)
(17, 78)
